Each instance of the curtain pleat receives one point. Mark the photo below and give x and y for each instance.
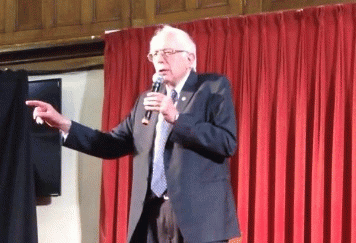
(296, 191)
(318, 160)
(264, 116)
(351, 183)
(243, 106)
(293, 79)
(283, 120)
(338, 145)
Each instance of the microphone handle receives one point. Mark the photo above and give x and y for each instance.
(155, 88)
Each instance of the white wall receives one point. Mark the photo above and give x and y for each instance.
(73, 217)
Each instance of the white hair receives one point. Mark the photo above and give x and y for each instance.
(182, 37)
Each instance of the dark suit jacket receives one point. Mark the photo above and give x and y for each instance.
(196, 157)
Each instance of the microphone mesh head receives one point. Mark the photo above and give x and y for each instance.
(156, 78)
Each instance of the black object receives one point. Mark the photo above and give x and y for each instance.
(18, 221)
(45, 141)
(157, 81)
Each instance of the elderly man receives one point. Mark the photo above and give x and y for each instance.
(181, 180)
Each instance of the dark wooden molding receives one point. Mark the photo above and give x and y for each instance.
(49, 58)
(50, 53)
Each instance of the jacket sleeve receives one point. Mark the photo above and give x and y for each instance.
(110, 145)
(209, 127)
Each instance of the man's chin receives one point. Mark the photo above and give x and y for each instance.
(168, 82)
(166, 77)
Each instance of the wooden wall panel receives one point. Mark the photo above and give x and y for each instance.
(48, 14)
(40, 21)
(169, 6)
(168, 11)
(275, 5)
(2, 16)
(107, 10)
(252, 6)
(29, 14)
(212, 3)
(31, 21)
(68, 12)
(139, 9)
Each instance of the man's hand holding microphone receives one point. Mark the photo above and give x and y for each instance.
(159, 102)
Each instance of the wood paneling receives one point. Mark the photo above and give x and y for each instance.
(58, 33)
(68, 12)
(252, 6)
(169, 6)
(34, 21)
(139, 9)
(168, 11)
(72, 56)
(59, 66)
(29, 14)
(87, 12)
(29, 24)
(26, 21)
(53, 52)
(212, 3)
(107, 10)
(2, 16)
(48, 14)
(274, 5)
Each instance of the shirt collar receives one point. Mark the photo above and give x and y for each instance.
(180, 84)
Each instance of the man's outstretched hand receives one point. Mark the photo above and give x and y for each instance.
(45, 112)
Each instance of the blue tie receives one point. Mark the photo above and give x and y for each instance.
(159, 182)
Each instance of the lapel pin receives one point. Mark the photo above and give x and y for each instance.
(184, 98)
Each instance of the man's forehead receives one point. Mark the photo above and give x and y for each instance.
(162, 41)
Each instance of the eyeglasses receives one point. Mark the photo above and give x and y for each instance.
(165, 52)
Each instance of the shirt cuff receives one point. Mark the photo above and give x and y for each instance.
(64, 135)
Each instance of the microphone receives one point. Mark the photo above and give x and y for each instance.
(157, 82)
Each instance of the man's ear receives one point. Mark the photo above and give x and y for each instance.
(191, 57)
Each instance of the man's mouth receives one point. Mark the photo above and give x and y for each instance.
(163, 70)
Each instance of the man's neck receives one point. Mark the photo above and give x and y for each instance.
(179, 85)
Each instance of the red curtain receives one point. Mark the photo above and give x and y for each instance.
(293, 75)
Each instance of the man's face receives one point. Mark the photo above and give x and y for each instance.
(172, 67)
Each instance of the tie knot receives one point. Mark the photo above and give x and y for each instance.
(174, 95)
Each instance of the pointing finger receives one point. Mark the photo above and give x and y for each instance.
(36, 103)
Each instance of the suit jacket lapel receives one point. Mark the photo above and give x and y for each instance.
(187, 92)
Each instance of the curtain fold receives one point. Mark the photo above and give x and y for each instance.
(318, 160)
(298, 199)
(338, 140)
(18, 222)
(293, 79)
(351, 139)
(282, 123)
